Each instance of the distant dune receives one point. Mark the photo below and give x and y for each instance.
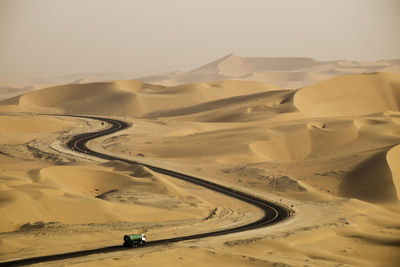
(286, 72)
(10, 90)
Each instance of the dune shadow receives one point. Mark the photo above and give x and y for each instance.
(370, 181)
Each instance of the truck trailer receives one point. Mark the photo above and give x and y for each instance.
(134, 240)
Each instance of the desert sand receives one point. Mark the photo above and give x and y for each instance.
(326, 145)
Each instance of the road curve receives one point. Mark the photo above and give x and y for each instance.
(273, 212)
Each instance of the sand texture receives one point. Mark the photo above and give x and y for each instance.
(329, 149)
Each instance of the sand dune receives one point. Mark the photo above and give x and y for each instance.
(235, 108)
(287, 79)
(130, 98)
(74, 195)
(289, 73)
(350, 95)
(246, 68)
(236, 66)
(105, 98)
(298, 141)
(393, 160)
(10, 90)
(376, 177)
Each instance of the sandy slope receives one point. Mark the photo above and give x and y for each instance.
(329, 149)
(350, 95)
(393, 158)
(131, 98)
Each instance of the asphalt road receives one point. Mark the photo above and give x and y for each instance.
(273, 213)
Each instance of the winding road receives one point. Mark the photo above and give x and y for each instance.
(273, 212)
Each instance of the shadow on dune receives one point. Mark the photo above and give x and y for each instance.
(370, 181)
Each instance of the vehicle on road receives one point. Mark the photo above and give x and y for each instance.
(134, 240)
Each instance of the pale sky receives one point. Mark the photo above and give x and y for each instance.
(56, 37)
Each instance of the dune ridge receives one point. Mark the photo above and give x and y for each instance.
(130, 97)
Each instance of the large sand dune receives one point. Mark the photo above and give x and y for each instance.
(131, 98)
(236, 66)
(350, 95)
(107, 98)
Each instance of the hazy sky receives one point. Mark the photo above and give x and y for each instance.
(72, 36)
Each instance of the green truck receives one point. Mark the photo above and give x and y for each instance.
(134, 240)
